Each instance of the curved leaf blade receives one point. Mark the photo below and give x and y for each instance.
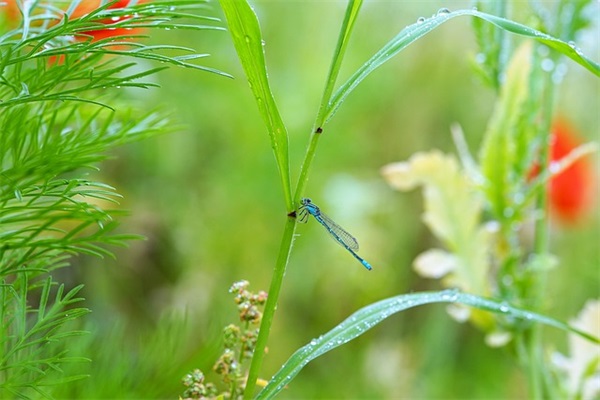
(422, 27)
(247, 39)
(369, 316)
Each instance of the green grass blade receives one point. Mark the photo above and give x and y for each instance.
(422, 27)
(338, 55)
(247, 39)
(367, 317)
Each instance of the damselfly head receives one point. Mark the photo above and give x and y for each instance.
(305, 201)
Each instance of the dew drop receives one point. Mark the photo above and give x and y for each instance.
(572, 44)
(247, 38)
(443, 11)
(420, 20)
(450, 294)
(115, 18)
(503, 308)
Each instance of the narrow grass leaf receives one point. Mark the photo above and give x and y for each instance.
(338, 55)
(423, 26)
(367, 317)
(247, 39)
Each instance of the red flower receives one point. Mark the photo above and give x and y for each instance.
(88, 6)
(12, 11)
(570, 192)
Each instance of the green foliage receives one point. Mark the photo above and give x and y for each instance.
(506, 157)
(320, 120)
(366, 318)
(492, 42)
(425, 25)
(243, 25)
(59, 95)
(500, 152)
(33, 339)
(58, 118)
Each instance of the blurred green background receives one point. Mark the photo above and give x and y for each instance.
(208, 199)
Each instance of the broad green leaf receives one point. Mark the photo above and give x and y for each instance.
(367, 317)
(425, 25)
(247, 39)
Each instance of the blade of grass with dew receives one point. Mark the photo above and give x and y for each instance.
(247, 39)
(425, 25)
(369, 316)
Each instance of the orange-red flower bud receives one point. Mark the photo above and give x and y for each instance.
(570, 192)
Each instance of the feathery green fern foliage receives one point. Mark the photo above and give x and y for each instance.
(59, 115)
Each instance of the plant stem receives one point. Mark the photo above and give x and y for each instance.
(308, 158)
(541, 248)
(290, 226)
(338, 55)
(270, 306)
